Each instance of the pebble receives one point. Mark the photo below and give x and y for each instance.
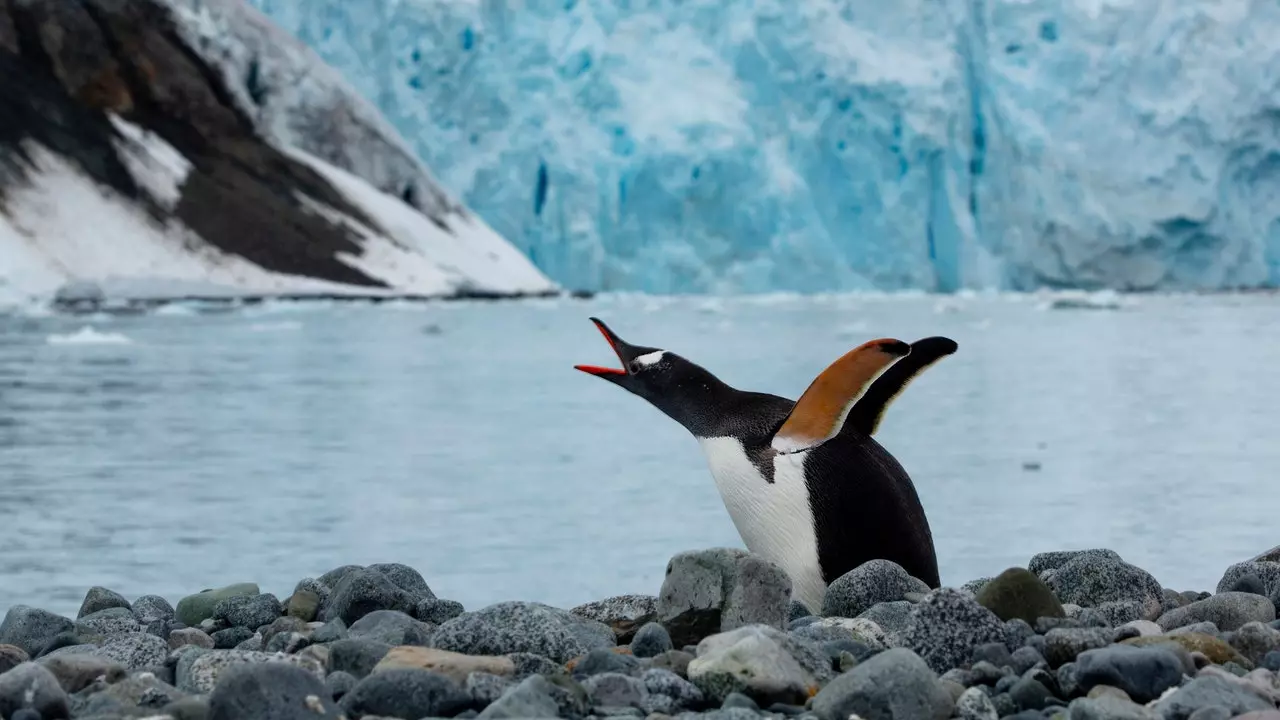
(135, 651)
(1064, 644)
(534, 697)
(32, 629)
(511, 627)
(356, 656)
(248, 611)
(11, 656)
(362, 591)
(1227, 611)
(1254, 640)
(651, 640)
(455, 666)
(195, 609)
(405, 693)
(1091, 579)
(198, 672)
(891, 616)
(407, 579)
(896, 683)
(271, 690)
(974, 704)
(485, 688)
(1144, 673)
(947, 625)
(626, 614)
(709, 591)
(32, 686)
(872, 582)
(339, 683)
(100, 598)
(231, 637)
(437, 611)
(392, 627)
(1019, 593)
(602, 660)
(107, 622)
(752, 660)
(1210, 691)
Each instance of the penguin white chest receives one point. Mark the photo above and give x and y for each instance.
(774, 519)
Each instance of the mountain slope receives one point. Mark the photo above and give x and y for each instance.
(129, 156)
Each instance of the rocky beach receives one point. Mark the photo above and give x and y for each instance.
(1079, 634)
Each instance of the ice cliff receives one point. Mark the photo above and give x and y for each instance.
(170, 147)
(695, 145)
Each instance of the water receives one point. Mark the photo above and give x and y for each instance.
(178, 451)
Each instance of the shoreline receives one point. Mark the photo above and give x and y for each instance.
(1073, 634)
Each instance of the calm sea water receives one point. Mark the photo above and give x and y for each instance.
(270, 444)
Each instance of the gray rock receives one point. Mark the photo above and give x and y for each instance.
(669, 693)
(1025, 658)
(142, 690)
(78, 649)
(1016, 633)
(600, 661)
(189, 636)
(392, 627)
(1120, 612)
(892, 617)
(1254, 640)
(1204, 628)
(1108, 707)
(753, 660)
(135, 651)
(738, 700)
(32, 629)
(651, 640)
(1228, 611)
(1266, 572)
(1063, 645)
(356, 656)
(335, 576)
(1142, 672)
(195, 609)
(231, 637)
(309, 595)
(512, 627)
(283, 625)
(1045, 561)
(270, 691)
(361, 592)
(405, 693)
(99, 598)
(1271, 661)
(437, 611)
(485, 688)
(108, 622)
(677, 661)
(407, 579)
(894, 685)
(248, 611)
(872, 582)
(615, 690)
(290, 642)
(974, 704)
(32, 686)
(11, 656)
(339, 683)
(198, 670)
(710, 591)
(534, 697)
(76, 671)
(1029, 693)
(974, 586)
(625, 614)
(1210, 691)
(997, 654)
(1090, 580)
(253, 642)
(150, 609)
(945, 627)
(330, 631)
(527, 664)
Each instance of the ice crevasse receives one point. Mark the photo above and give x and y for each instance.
(727, 145)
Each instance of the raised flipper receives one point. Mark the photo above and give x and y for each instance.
(820, 412)
(869, 409)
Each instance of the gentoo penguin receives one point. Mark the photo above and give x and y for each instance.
(804, 482)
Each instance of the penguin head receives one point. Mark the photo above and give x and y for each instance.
(671, 383)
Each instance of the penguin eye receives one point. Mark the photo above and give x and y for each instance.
(636, 367)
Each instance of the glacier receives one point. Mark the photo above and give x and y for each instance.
(819, 145)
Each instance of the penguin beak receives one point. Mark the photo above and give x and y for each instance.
(625, 352)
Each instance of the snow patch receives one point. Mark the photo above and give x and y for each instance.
(155, 165)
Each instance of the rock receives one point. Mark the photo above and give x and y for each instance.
(1064, 644)
(1145, 627)
(1120, 612)
(1205, 628)
(891, 616)
(231, 637)
(997, 654)
(309, 595)
(108, 622)
(947, 625)
(248, 611)
(677, 661)
(872, 582)
(669, 693)
(710, 591)
(532, 698)
(1265, 572)
(142, 690)
(1144, 673)
(135, 651)
(1228, 611)
(1029, 694)
(335, 576)
(1108, 707)
(154, 614)
(392, 627)
(32, 629)
(624, 613)
(189, 636)
(512, 627)
(1025, 658)
(284, 624)
(1210, 691)
(11, 656)
(273, 691)
(1254, 640)
(615, 690)
(76, 671)
(200, 674)
(751, 660)
(1215, 649)
(860, 630)
(1089, 580)
(651, 640)
(33, 687)
(1271, 661)
(894, 685)
(974, 704)
(455, 666)
(437, 611)
(356, 656)
(339, 683)
(1272, 555)
(99, 598)
(407, 579)
(194, 609)
(329, 632)
(485, 688)
(1046, 561)
(363, 591)
(1017, 633)
(405, 693)
(600, 661)
(1019, 593)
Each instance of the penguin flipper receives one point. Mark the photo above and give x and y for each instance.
(869, 410)
(821, 411)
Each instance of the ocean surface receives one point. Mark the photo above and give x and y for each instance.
(192, 448)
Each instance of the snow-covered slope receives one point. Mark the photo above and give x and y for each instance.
(171, 180)
(820, 144)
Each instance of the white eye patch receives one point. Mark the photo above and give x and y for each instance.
(650, 358)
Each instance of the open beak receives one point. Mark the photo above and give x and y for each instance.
(625, 352)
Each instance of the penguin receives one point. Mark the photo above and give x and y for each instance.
(804, 482)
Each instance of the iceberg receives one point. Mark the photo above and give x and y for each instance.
(824, 145)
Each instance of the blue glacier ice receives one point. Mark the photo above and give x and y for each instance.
(752, 145)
